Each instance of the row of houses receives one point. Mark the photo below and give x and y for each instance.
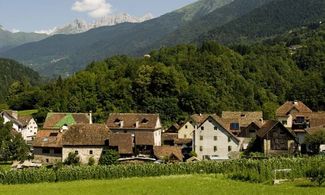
(141, 136)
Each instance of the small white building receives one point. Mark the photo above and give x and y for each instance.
(213, 140)
(26, 125)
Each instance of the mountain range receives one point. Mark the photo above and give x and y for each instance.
(226, 21)
(79, 26)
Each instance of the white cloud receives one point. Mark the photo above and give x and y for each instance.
(94, 8)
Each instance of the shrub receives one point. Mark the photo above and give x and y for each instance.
(91, 161)
(316, 174)
(109, 157)
(72, 159)
(193, 153)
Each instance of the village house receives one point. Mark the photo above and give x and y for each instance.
(237, 122)
(274, 138)
(145, 130)
(213, 140)
(47, 146)
(285, 112)
(62, 121)
(85, 140)
(26, 125)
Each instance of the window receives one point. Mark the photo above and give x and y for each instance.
(90, 152)
(53, 134)
(229, 139)
(185, 126)
(201, 148)
(234, 126)
(215, 128)
(58, 151)
(76, 152)
(215, 138)
(47, 160)
(284, 122)
(201, 137)
(229, 148)
(300, 119)
(215, 148)
(45, 151)
(185, 136)
(202, 128)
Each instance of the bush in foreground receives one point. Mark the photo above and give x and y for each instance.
(316, 174)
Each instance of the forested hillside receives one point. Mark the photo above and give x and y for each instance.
(186, 79)
(272, 19)
(193, 29)
(9, 40)
(10, 72)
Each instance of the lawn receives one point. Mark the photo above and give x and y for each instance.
(27, 112)
(187, 184)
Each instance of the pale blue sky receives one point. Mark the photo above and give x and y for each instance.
(31, 15)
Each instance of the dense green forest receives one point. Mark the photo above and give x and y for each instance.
(187, 79)
(11, 72)
(271, 19)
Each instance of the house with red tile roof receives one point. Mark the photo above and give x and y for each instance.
(47, 146)
(213, 140)
(145, 129)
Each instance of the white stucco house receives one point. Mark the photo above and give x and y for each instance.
(26, 125)
(213, 140)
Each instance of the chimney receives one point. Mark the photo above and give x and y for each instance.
(295, 102)
(137, 124)
(91, 117)
(14, 114)
(121, 124)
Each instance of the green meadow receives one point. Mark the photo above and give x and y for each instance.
(184, 184)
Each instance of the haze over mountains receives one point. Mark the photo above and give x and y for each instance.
(226, 21)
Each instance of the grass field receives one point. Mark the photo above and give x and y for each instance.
(188, 184)
(27, 112)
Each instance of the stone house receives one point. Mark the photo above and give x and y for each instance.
(213, 140)
(274, 138)
(25, 125)
(61, 121)
(145, 130)
(47, 146)
(85, 140)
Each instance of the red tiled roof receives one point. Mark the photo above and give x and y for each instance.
(289, 105)
(144, 138)
(48, 139)
(123, 141)
(268, 126)
(86, 135)
(161, 152)
(52, 119)
(132, 121)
